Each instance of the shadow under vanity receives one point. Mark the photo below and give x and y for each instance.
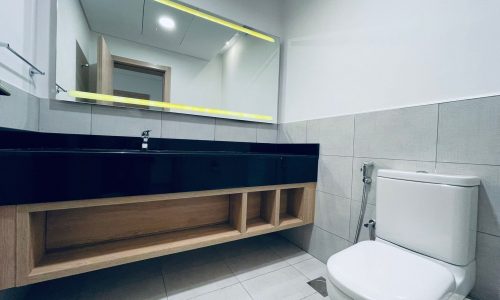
(77, 203)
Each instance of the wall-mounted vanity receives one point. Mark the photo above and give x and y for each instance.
(76, 203)
(168, 56)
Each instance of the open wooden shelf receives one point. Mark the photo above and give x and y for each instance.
(140, 248)
(292, 206)
(65, 238)
(261, 210)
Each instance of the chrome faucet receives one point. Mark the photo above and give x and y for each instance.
(145, 138)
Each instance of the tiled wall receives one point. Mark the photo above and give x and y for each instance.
(24, 111)
(455, 138)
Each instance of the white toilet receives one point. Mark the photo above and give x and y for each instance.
(425, 245)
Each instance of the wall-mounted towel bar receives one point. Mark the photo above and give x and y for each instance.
(60, 89)
(33, 70)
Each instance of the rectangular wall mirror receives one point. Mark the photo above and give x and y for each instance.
(168, 56)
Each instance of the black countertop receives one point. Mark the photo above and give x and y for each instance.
(47, 167)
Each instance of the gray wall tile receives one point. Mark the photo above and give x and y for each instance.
(489, 193)
(297, 235)
(65, 117)
(406, 133)
(488, 265)
(295, 132)
(267, 133)
(179, 126)
(313, 131)
(20, 110)
(469, 131)
(403, 165)
(335, 175)
(236, 131)
(336, 136)
(124, 121)
(355, 211)
(332, 214)
(323, 244)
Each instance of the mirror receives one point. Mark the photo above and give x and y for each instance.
(167, 56)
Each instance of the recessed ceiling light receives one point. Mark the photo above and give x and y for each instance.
(215, 19)
(167, 23)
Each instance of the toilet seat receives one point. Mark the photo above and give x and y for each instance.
(373, 270)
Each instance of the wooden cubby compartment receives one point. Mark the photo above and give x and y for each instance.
(262, 210)
(65, 238)
(293, 208)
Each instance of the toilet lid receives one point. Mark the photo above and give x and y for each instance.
(372, 270)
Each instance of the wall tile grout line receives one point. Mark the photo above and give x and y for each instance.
(394, 159)
(437, 138)
(490, 234)
(91, 117)
(39, 113)
(336, 195)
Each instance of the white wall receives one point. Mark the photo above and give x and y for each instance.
(26, 25)
(344, 57)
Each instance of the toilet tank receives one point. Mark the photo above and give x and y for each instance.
(433, 214)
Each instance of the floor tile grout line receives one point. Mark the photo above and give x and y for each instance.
(302, 273)
(163, 278)
(236, 276)
(263, 274)
(248, 293)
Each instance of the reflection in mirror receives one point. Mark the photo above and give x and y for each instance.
(164, 55)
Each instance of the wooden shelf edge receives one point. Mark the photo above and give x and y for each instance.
(152, 198)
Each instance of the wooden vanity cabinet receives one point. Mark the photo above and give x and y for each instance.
(51, 240)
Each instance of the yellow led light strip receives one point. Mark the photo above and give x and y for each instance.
(160, 104)
(214, 19)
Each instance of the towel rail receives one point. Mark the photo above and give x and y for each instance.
(33, 70)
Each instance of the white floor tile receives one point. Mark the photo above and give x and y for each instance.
(137, 281)
(283, 284)
(316, 296)
(234, 292)
(188, 259)
(195, 281)
(240, 247)
(311, 268)
(255, 263)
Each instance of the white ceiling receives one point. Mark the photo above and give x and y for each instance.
(137, 20)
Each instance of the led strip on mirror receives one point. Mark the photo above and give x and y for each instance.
(161, 104)
(215, 19)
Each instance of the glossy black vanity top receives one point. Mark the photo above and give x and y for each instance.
(44, 167)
